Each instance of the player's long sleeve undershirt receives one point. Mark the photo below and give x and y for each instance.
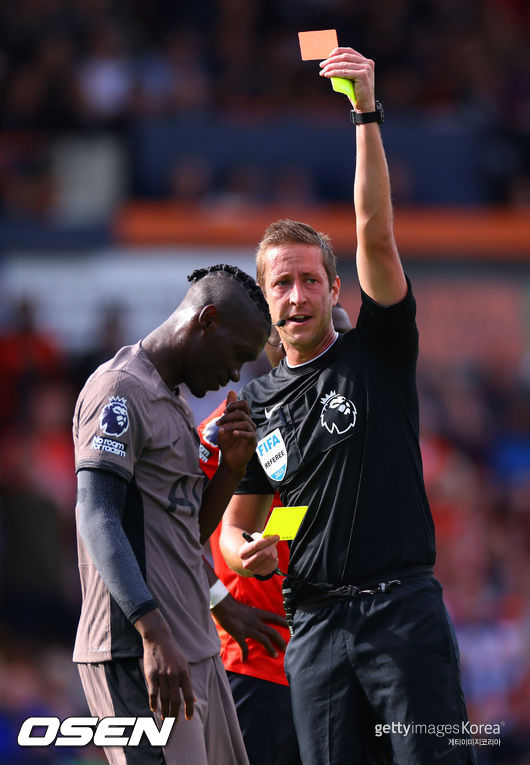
(100, 506)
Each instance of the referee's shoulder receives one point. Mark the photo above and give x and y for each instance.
(260, 389)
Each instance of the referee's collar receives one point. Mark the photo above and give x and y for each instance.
(306, 363)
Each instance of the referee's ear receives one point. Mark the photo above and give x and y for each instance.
(335, 290)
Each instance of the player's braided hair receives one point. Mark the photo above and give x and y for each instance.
(243, 279)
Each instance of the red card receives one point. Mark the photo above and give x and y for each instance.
(318, 44)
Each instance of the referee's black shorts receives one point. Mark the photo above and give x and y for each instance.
(386, 659)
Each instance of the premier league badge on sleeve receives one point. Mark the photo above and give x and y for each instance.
(114, 418)
(338, 413)
(272, 454)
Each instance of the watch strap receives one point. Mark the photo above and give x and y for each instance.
(364, 118)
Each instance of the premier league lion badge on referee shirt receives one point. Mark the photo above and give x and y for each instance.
(338, 414)
(114, 418)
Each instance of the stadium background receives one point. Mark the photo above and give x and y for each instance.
(139, 140)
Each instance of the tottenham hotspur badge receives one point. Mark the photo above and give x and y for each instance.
(114, 418)
(338, 413)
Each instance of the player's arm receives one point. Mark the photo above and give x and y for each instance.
(248, 512)
(100, 508)
(378, 264)
(242, 621)
(237, 442)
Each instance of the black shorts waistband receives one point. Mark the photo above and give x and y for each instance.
(299, 593)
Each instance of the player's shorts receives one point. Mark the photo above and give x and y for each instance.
(212, 737)
(389, 659)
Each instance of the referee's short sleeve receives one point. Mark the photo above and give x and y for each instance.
(392, 329)
(254, 481)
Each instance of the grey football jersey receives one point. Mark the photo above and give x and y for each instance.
(129, 422)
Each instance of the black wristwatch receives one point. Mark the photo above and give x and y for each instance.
(363, 118)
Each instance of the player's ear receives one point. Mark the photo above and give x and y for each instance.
(208, 317)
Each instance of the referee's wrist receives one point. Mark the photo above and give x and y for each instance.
(365, 108)
(218, 593)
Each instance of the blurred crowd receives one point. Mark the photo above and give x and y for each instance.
(476, 449)
(86, 66)
(91, 63)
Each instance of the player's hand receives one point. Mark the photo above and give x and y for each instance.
(237, 434)
(166, 670)
(242, 621)
(260, 556)
(348, 63)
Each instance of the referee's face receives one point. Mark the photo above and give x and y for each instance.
(297, 289)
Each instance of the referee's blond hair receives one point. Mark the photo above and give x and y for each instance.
(288, 231)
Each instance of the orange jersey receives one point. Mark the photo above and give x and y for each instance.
(266, 595)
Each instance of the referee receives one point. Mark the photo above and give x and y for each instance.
(373, 663)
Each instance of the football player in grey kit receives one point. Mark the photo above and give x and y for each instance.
(146, 638)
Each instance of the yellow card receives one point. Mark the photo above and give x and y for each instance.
(285, 521)
(342, 85)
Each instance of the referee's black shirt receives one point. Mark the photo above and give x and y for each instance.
(340, 434)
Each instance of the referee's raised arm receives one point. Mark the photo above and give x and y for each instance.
(378, 264)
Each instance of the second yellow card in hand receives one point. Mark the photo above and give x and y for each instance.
(285, 521)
